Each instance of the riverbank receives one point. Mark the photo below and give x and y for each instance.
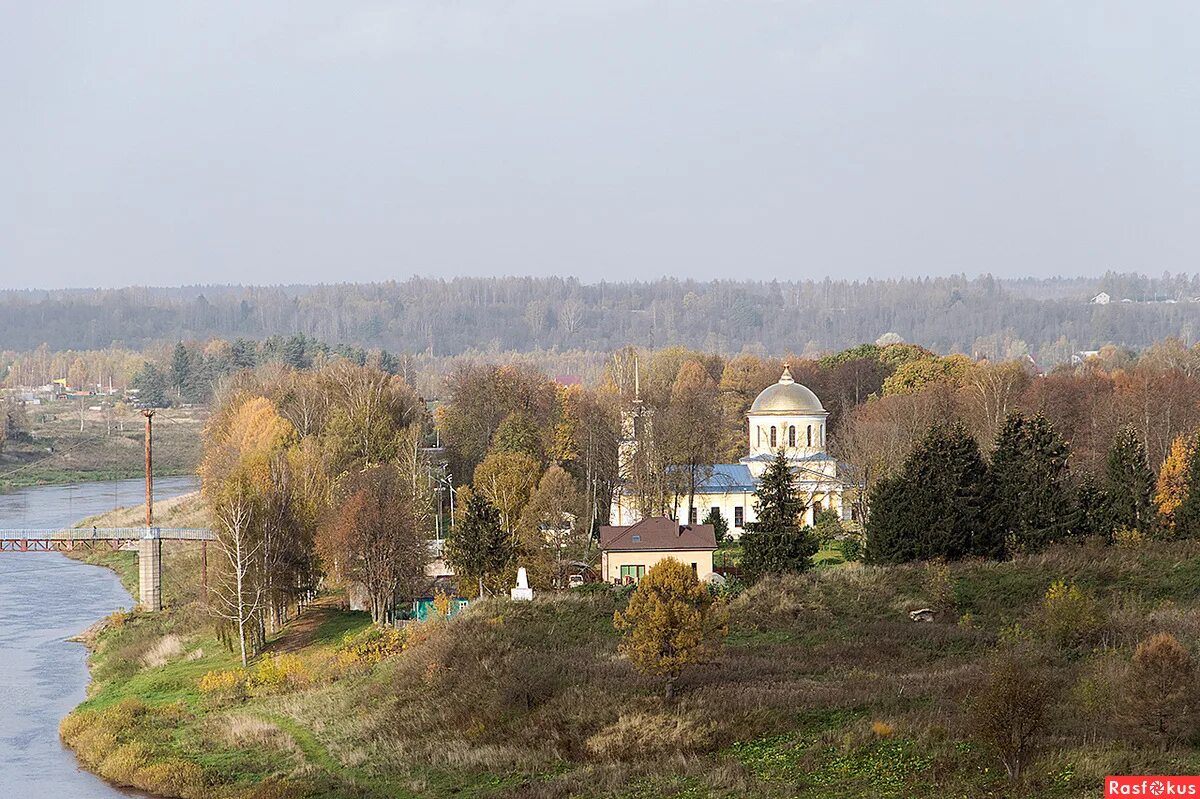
(110, 445)
(824, 687)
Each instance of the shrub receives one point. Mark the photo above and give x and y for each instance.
(882, 729)
(939, 586)
(1070, 618)
(225, 686)
(1010, 712)
(372, 645)
(1161, 693)
(279, 673)
(1129, 538)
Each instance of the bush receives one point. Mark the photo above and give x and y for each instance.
(219, 687)
(939, 587)
(1129, 538)
(1070, 618)
(1010, 712)
(1161, 693)
(370, 646)
(279, 673)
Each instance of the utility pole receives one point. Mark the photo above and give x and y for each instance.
(149, 414)
(150, 544)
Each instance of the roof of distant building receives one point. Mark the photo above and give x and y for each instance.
(658, 533)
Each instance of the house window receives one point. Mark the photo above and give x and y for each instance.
(633, 573)
(695, 570)
(791, 435)
(773, 442)
(810, 435)
(692, 515)
(739, 516)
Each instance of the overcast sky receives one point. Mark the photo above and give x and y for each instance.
(275, 141)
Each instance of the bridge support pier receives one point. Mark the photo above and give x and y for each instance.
(149, 552)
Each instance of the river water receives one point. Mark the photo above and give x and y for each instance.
(44, 599)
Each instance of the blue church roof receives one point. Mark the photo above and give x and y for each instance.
(728, 477)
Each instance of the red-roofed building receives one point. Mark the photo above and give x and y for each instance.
(628, 552)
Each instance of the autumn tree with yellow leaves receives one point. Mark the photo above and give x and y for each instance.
(672, 622)
(244, 448)
(1172, 486)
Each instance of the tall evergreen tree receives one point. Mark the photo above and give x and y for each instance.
(1090, 514)
(1129, 483)
(1028, 496)
(935, 506)
(777, 542)
(479, 549)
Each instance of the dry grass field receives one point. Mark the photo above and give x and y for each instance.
(823, 688)
(110, 445)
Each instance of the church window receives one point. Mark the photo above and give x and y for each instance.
(810, 435)
(773, 442)
(739, 516)
(817, 507)
(759, 442)
(692, 515)
(791, 435)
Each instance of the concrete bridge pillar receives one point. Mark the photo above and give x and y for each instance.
(149, 551)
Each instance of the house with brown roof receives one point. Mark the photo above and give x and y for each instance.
(628, 552)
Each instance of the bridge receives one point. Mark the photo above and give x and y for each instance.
(145, 541)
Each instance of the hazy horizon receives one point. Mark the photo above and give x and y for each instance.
(302, 143)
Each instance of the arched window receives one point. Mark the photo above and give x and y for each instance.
(758, 430)
(773, 443)
(791, 435)
(810, 435)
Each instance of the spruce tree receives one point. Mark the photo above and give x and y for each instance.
(1028, 497)
(1129, 484)
(719, 524)
(934, 508)
(1090, 514)
(479, 549)
(777, 542)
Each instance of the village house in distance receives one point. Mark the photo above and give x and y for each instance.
(627, 553)
(785, 416)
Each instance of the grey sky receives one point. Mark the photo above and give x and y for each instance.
(177, 143)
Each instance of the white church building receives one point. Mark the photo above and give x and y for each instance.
(785, 416)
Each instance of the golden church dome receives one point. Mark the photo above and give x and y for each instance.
(787, 397)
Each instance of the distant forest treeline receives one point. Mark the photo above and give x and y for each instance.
(986, 317)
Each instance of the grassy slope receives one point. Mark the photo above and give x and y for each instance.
(60, 453)
(532, 699)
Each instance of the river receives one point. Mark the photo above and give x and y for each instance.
(46, 598)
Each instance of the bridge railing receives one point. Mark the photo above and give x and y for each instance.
(108, 533)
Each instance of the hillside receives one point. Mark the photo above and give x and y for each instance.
(110, 445)
(824, 687)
